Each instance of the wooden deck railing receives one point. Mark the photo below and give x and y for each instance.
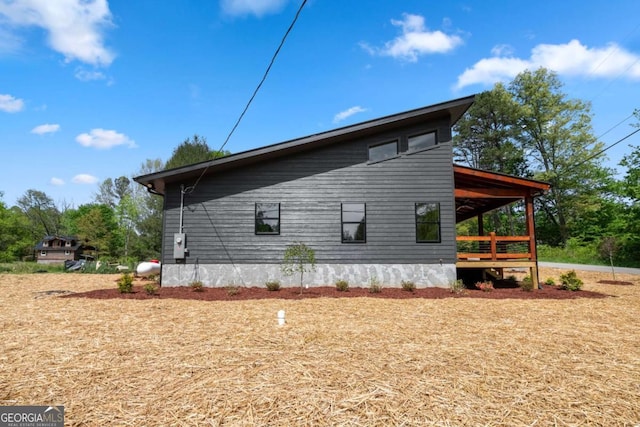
(494, 248)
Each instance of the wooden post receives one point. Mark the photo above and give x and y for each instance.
(494, 246)
(531, 232)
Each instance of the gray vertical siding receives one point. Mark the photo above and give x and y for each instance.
(310, 186)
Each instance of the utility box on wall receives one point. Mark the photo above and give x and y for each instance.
(179, 245)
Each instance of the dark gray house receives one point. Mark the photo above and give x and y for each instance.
(374, 200)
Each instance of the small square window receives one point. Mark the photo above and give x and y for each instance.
(428, 222)
(420, 142)
(385, 151)
(267, 218)
(354, 223)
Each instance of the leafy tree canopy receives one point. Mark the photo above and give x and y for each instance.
(192, 150)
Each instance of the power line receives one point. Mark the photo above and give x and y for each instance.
(615, 126)
(593, 156)
(255, 92)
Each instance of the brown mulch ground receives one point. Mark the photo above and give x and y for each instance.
(368, 361)
(256, 293)
(615, 282)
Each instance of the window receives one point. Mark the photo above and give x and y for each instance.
(384, 151)
(419, 142)
(67, 252)
(428, 222)
(67, 243)
(45, 244)
(43, 253)
(354, 223)
(267, 218)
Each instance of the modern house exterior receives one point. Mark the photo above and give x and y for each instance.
(58, 249)
(374, 200)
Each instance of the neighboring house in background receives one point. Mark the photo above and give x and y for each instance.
(373, 200)
(58, 249)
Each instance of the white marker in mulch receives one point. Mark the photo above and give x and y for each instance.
(281, 320)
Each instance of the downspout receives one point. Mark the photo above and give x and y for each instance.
(180, 227)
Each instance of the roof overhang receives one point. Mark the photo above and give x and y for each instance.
(452, 110)
(478, 191)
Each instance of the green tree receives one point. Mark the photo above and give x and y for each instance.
(42, 213)
(97, 226)
(298, 258)
(557, 136)
(630, 190)
(486, 138)
(486, 135)
(192, 150)
(147, 241)
(15, 239)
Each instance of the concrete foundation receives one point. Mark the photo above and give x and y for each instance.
(387, 275)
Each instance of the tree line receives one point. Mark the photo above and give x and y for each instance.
(124, 221)
(528, 128)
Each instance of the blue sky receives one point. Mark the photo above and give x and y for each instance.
(90, 89)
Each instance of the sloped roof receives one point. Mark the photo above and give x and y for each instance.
(478, 191)
(155, 182)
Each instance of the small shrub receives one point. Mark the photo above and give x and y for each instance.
(233, 290)
(342, 285)
(457, 286)
(273, 285)
(570, 281)
(298, 258)
(527, 284)
(150, 288)
(125, 283)
(374, 285)
(408, 285)
(486, 286)
(197, 286)
(550, 281)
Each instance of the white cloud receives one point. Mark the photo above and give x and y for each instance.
(56, 181)
(84, 178)
(252, 7)
(104, 139)
(573, 59)
(502, 50)
(9, 104)
(86, 76)
(415, 40)
(348, 113)
(46, 128)
(75, 28)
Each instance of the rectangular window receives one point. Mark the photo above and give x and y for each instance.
(267, 218)
(428, 222)
(354, 223)
(420, 142)
(384, 151)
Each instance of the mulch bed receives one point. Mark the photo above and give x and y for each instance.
(615, 282)
(256, 293)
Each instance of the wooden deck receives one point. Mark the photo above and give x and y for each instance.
(497, 253)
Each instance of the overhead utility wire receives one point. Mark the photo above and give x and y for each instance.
(602, 151)
(255, 92)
